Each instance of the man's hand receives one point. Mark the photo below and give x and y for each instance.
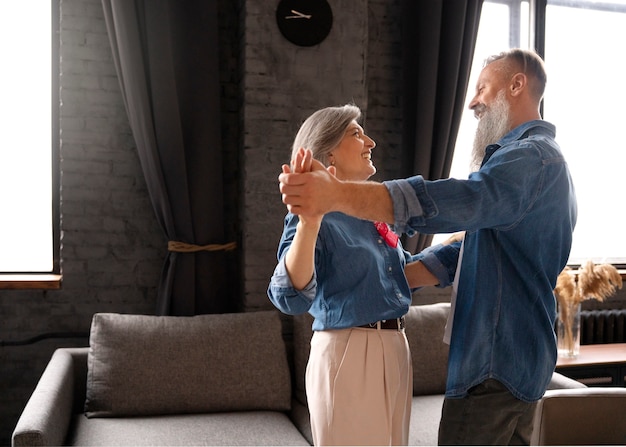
(308, 188)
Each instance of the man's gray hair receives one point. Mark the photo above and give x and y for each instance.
(527, 62)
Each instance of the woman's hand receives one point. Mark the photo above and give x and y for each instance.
(300, 259)
(307, 186)
(456, 237)
(303, 163)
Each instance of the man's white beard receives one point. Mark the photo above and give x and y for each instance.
(493, 125)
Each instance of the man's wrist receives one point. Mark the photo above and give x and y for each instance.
(366, 200)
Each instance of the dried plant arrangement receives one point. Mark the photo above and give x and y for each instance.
(590, 281)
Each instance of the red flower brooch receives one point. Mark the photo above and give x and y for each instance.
(388, 235)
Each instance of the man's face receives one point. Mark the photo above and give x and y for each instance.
(492, 109)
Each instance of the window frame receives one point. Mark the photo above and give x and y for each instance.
(49, 279)
(55, 147)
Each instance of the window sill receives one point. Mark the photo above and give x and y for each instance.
(30, 281)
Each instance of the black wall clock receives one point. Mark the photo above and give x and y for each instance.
(304, 22)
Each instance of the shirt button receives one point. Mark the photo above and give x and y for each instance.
(389, 269)
(380, 241)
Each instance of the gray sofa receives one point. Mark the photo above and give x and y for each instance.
(231, 379)
(589, 416)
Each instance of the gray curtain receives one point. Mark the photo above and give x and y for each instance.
(166, 57)
(438, 47)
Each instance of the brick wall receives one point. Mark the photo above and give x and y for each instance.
(284, 83)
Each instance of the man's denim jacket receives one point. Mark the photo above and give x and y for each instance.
(519, 211)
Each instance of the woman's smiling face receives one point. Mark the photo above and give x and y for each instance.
(353, 157)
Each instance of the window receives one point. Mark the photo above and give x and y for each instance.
(583, 99)
(29, 228)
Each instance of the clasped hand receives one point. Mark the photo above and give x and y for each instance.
(307, 187)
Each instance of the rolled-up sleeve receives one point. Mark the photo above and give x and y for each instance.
(405, 205)
(285, 297)
(441, 261)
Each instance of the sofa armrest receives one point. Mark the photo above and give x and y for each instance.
(559, 381)
(581, 416)
(47, 415)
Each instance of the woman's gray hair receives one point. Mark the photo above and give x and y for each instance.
(323, 130)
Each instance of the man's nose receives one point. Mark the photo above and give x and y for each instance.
(473, 103)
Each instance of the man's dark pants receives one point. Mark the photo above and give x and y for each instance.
(488, 415)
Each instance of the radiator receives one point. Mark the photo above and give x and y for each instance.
(602, 326)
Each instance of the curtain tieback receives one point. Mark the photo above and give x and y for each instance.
(184, 247)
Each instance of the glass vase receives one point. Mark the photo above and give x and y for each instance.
(568, 330)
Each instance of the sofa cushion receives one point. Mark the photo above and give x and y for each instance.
(235, 428)
(425, 417)
(425, 325)
(148, 365)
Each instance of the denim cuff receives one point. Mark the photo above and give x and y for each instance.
(405, 205)
(281, 279)
(441, 261)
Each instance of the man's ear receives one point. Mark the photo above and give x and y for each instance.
(518, 83)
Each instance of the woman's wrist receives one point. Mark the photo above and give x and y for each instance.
(308, 223)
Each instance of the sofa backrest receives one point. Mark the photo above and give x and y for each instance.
(148, 365)
(425, 325)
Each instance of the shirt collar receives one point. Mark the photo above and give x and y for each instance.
(521, 131)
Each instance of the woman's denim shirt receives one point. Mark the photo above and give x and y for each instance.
(519, 212)
(358, 278)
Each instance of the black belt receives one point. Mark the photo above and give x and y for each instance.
(396, 324)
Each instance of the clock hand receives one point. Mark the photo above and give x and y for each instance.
(298, 15)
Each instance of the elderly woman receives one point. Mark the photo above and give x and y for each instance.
(349, 274)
